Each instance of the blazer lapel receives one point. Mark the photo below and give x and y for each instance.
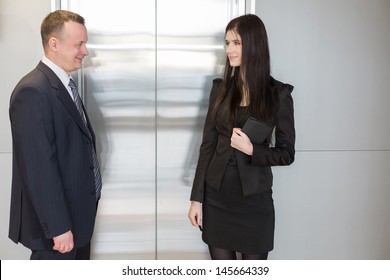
(63, 95)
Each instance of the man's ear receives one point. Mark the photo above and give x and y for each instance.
(53, 44)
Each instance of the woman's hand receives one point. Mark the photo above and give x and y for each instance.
(195, 214)
(241, 141)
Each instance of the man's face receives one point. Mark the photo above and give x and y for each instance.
(72, 47)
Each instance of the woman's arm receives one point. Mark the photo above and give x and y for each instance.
(284, 151)
(207, 148)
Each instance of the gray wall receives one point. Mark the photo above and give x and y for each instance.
(332, 203)
(20, 51)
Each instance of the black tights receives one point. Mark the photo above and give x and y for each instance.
(224, 254)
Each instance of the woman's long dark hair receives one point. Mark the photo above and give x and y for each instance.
(253, 74)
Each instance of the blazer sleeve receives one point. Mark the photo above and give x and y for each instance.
(36, 156)
(207, 148)
(284, 151)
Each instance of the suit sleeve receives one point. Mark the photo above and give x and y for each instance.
(207, 148)
(36, 156)
(284, 151)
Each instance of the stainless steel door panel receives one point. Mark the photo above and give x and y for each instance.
(190, 54)
(119, 93)
(146, 87)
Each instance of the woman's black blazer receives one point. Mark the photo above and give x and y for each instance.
(255, 171)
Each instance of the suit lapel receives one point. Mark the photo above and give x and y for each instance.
(63, 95)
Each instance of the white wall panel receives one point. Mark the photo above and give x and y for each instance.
(8, 249)
(333, 205)
(20, 51)
(336, 54)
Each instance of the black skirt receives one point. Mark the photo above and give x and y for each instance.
(237, 223)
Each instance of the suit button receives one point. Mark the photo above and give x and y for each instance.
(91, 167)
(93, 193)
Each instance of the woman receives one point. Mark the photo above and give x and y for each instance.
(231, 199)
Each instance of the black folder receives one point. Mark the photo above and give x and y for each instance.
(257, 130)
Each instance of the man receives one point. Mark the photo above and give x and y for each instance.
(56, 179)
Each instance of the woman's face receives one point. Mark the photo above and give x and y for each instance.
(233, 48)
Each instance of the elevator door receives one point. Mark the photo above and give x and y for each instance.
(146, 84)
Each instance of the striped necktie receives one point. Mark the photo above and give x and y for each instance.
(96, 167)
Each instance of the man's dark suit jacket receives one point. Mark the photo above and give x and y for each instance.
(53, 186)
(255, 171)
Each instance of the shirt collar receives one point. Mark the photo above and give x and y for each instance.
(61, 74)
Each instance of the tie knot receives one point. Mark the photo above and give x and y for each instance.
(72, 84)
